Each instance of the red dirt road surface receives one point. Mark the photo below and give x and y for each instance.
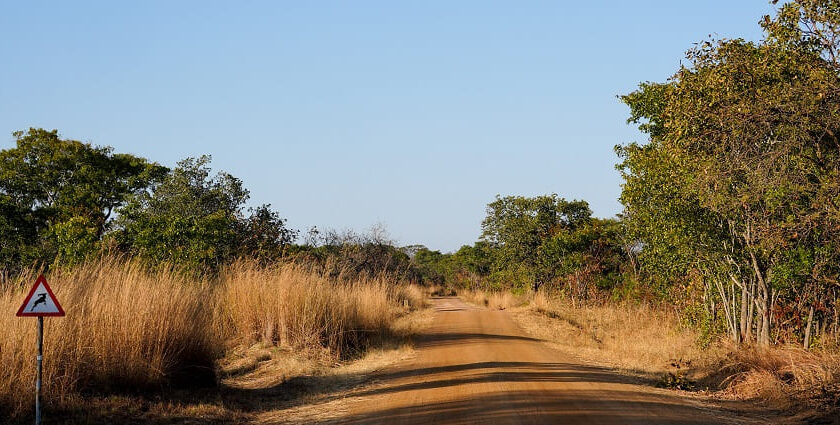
(477, 366)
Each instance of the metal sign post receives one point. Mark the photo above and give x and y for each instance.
(39, 303)
(38, 378)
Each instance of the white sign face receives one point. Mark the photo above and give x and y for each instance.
(40, 301)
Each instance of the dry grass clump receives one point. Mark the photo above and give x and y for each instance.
(776, 374)
(412, 296)
(639, 337)
(288, 305)
(497, 300)
(125, 329)
(651, 341)
(474, 297)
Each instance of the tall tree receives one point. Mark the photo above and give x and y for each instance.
(191, 218)
(743, 138)
(264, 235)
(515, 227)
(58, 195)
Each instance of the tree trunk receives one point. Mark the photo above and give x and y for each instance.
(764, 334)
(730, 310)
(836, 325)
(751, 313)
(744, 311)
(763, 325)
(807, 343)
(765, 299)
(821, 324)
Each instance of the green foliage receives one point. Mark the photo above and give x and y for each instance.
(516, 228)
(529, 243)
(57, 196)
(476, 259)
(738, 184)
(75, 238)
(196, 219)
(264, 235)
(19, 227)
(433, 266)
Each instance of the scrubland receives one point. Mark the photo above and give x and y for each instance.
(133, 332)
(652, 342)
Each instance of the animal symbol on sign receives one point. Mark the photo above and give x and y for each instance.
(42, 299)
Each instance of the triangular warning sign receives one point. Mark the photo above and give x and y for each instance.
(41, 301)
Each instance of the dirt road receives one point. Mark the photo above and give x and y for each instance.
(477, 366)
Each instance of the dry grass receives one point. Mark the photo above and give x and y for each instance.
(289, 306)
(125, 330)
(498, 300)
(413, 296)
(649, 341)
(636, 337)
(779, 375)
(128, 330)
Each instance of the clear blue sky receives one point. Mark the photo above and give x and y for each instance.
(413, 114)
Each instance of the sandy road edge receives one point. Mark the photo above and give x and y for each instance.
(329, 405)
(537, 325)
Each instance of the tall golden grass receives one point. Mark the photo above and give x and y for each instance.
(640, 337)
(291, 306)
(779, 375)
(651, 340)
(124, 329)
(130, 329)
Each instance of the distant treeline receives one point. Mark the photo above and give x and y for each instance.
(544, 242)
(63, 201)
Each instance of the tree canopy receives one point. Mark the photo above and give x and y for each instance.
(58, 196)
(739, 179)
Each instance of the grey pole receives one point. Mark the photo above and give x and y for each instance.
(38, 379)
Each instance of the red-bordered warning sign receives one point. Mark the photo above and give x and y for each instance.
(41, 301)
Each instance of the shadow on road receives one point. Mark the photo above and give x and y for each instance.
(461, 338)
(298, 391)
(479, 367)
(540, 407)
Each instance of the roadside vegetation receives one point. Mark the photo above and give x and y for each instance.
(726, 254)
(170, 281)
(133, 331)
(654, 343)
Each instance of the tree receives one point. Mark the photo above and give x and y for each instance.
(516, 226)
(582, 259)
(57, 196)
(264, 235)
(432, 265)
(743, 161)
(191, 218)
(20, 229)
(476, 259)
(348, 254)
